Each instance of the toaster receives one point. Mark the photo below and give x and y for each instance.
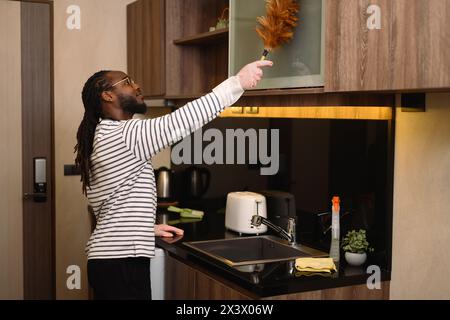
(240, 208)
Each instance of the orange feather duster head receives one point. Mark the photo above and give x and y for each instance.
(276, 28)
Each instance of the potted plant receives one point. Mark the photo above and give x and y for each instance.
(356, 246)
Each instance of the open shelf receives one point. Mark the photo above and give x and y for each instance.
(205, 38)
(196, 61)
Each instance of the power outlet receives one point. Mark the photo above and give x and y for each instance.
(237, 110)
(252, 110)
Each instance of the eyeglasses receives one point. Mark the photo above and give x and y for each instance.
(128, 81)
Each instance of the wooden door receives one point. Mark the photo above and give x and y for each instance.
(37, 133)
(208, 288)
(179, 280)
(421, 44)
(27, 211)
(186, 283)
(146, 45)
(409, 51)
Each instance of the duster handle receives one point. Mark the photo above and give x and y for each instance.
(265, 54)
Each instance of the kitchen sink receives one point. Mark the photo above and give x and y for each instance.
(252, 250)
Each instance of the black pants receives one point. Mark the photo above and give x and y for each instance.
(120, 279)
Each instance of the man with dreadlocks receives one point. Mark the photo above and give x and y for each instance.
(114, 154)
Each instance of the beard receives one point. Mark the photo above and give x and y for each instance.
(130, 105)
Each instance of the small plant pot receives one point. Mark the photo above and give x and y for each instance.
(355, 259)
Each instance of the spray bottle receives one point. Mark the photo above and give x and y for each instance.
(335, 229)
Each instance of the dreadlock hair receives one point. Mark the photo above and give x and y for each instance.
(91, 96)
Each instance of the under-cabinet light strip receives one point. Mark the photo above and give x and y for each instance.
(325, 112)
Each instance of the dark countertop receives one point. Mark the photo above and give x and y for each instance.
(270, 279)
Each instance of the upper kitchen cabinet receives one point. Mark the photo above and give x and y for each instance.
(172, 51)
(387, 45)
(196, 58)
(298, 64)
(146, 45)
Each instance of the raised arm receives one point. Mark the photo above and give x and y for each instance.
(145, 138)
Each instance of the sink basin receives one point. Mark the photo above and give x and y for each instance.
(252, 250)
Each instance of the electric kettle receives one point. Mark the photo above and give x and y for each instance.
(164, 181)
(197, 181)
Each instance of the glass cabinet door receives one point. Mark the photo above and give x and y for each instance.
(297, 64)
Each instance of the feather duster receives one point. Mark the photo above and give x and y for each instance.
(276, 28)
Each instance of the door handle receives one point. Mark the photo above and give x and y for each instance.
(39, 182)
(27, 196)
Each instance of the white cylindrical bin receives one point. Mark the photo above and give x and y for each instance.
(157, 274)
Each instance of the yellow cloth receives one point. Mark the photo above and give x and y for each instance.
(315, 265)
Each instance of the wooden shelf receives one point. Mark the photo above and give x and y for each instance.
(206, 38)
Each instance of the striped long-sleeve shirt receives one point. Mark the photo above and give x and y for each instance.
(123, 192)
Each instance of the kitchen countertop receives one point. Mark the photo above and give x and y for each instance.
(263, 280)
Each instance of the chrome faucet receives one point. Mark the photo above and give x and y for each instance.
(288, 234)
